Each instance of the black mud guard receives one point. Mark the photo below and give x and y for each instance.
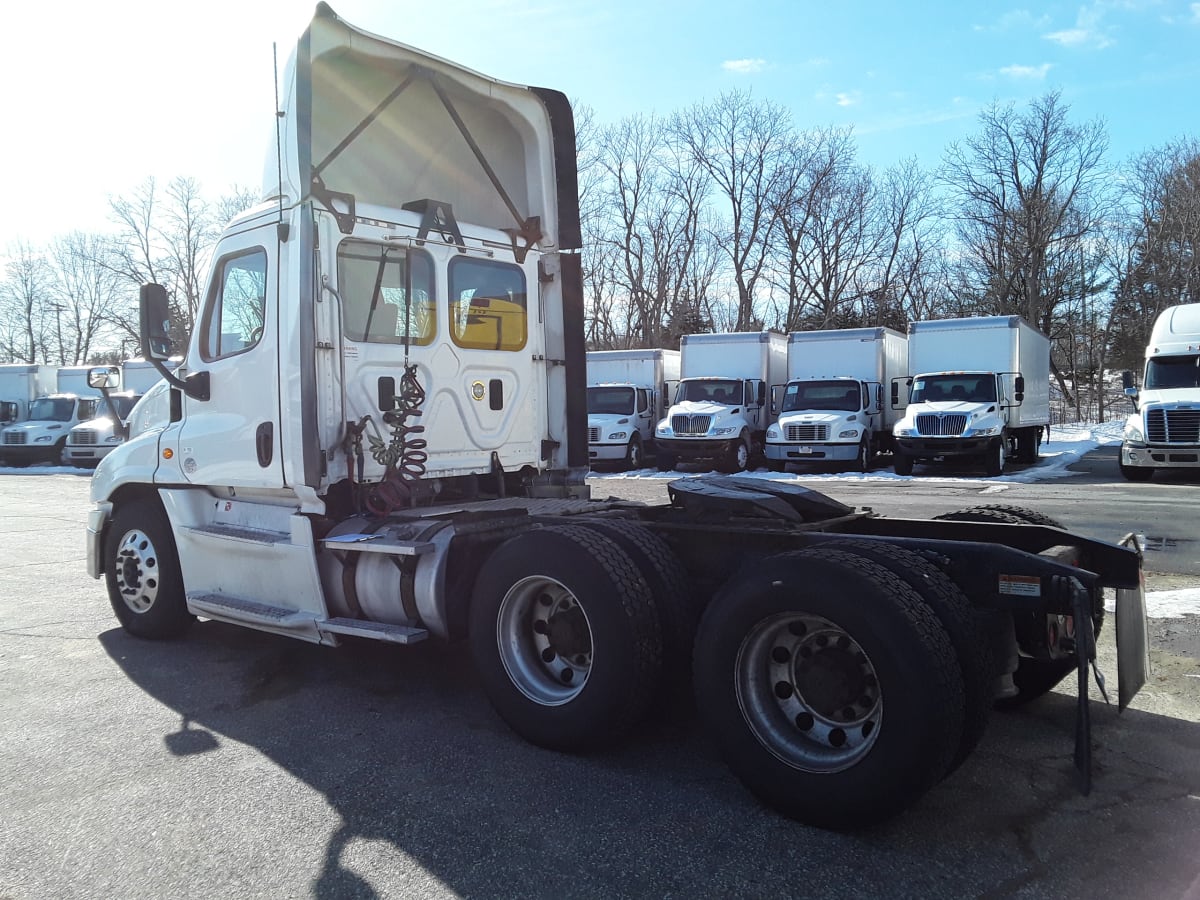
(720, 497)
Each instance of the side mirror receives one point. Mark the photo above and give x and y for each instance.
(155, 322)
(1019, 385)
(104, 378)
(1127, 382)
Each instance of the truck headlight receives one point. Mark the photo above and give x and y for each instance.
(773, 433)
(902, 431)
(1133, 432)
(848, 434)
(987, 432)
(716, 431)
(617, 436)
(664, 428)
(112, 439)
(43, 439)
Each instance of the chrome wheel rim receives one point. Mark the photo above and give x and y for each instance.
(809, 692)
(545, 640)
(136, 571)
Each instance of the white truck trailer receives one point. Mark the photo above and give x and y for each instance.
(90, 441)
(978, 389)
(412, 269)
(722, 406)
(627, 390)
(20, 385)
(1163, 432)
(833, 408)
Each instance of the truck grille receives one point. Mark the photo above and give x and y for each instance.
(932, 425)
(800, 433)
(593, 435)
(85, 437)
(14, 437)
(691, 424)
(1173, 426)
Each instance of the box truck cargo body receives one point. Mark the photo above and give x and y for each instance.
(1164, 430)
(627, 392)
(722, 407)
(833, 409)
(979, 388)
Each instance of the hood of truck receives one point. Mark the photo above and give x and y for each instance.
(825, 417)
(34, 428)
(1178, 398)
(369, 124)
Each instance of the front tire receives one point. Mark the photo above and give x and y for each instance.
(996, 457)
(738, 458)
(145, 585)
(1135, 473)
(830, 686)
(902, 464)
(566, 637)
(862, 462)
(633, 454)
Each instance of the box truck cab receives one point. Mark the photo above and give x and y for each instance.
(90, 441)
(978, 389)
(723, 404)
(20, 385)
(42, 437)
(833, 408)
(627, 390)
(1163, 432)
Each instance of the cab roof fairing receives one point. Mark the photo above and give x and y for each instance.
(339, 77)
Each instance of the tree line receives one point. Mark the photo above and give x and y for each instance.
(727, 217)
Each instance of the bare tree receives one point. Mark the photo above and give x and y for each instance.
(87, 298)
(26, 292)
(738, 142)
(1021, 187)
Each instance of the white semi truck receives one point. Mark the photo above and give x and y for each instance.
(723, 403)
(20, 385)
(833, 409)
(90, 441)
(627, 389)
(978, 389)
(1163, 432)
(414, 268)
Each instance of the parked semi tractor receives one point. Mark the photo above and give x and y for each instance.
(1163, 432)
(627, 390)
(833, 409)
(314, 477)
(20, 385)
(90, 441)
(978, 389)
(723, 405)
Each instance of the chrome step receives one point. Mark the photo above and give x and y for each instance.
(242, 533)
(379, 631)
(377, 544)
(236, 609)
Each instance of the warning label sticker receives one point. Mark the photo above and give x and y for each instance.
(1022, 585)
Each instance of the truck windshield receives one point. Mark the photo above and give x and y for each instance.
(822, 395)
(727, 391)
(52, 409)
(954, 388)
(125, 405)
(612, 401)
(1166, 372)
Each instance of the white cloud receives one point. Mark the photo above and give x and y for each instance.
(1088, 30)
(1195, 8)
(1026, 72)
(847, 98)
(744, 66)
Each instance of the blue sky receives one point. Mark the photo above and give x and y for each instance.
(132, 88)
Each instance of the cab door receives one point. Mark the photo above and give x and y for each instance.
(233, 438)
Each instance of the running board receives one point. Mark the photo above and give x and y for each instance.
(379, 631)
(249, 612)
(377, 543)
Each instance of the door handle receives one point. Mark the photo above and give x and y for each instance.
(264, 443)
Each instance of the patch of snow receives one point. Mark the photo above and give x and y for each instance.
(1166, 604)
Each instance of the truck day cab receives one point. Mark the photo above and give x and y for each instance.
(1163, 432)
(626, 390)
(979, 389)
(833, 407)
(844, 663)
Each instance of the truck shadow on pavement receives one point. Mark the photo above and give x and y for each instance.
(405, 749)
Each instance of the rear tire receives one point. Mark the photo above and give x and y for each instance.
(565, 635)
(141, 564)
(795, 659)
(666, 462)
(901, 464)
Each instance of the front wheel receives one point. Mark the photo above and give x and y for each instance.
(738, 458)
(836, 713)
(1135, 473)
(566, 637)
(862, 462)
(145, 585)
(633, 453)
(901, 464)
(996, 457)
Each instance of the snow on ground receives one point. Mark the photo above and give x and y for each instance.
(1066, 445)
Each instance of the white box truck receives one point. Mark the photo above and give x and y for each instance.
(413, 269)
(722, 406)
(979, 389)
(42, 437)
(20, 385)
(627, 391)
(90, 441)
(833, 409)
(1163, 432)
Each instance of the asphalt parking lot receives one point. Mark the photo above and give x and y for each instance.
(236, 764)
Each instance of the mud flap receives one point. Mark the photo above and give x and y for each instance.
(1133, 646)
(1085, 650)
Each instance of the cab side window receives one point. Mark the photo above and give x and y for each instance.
(237, 307)
(487, 305)
(375, 281)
